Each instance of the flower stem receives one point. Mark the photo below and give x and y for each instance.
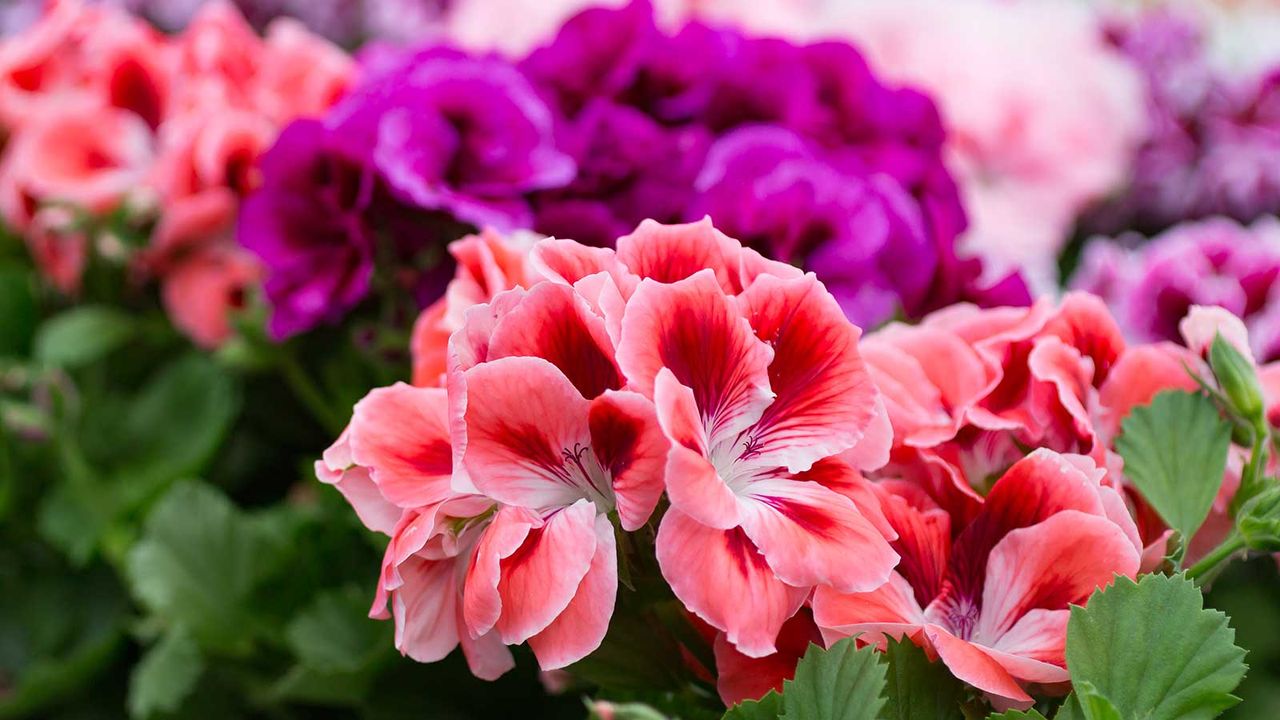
(1207, 564)
(309, 394)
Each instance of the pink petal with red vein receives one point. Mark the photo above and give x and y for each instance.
(890, 608)
(670, 253)
(739, 677)
(813, 536)
(568, 262)
(527, 434)
(580, 629)
(401, 433)
(722, 578)
(630, 445)
(692, 482)
(482, 603)
(337, 468)
(540, 579)
(425, 609)
(553, 323)
(969, 663)
(1051, 565)
(693, 329)
(825, 398)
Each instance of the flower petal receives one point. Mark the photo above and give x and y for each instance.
(541, 578)
(739, 677)
(826, 400)
(553, 323)
(630, 445)
(813, 536)
(425, 609)
(526, 426)
(693, 329)
(722, 578)
(693, 484)
(670, 253)
(969, 663)
(401, 433)
(1051, 565)
(580, 629)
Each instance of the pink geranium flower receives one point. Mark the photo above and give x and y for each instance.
(992, 603)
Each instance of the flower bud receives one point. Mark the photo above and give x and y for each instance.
(604, 710)
(1259, 521)
(1238, 379)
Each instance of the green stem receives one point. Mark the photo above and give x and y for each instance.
(309, 394)
(1232, 545)
(1251, 478)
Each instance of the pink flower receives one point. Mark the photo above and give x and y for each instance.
(58, 247)
(1042, 116)
(487, 264)
(762, 509)
(968, 389)
(993, 602)
(302, 74)
(78, 155)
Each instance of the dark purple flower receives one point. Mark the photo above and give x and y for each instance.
(1210, 262)
(630, 168)
(862, 235)
(308, 225)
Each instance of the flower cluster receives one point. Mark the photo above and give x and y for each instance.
(796, 149)
(108, 118)
(953, 482)
(679, 363)
(1150, 285)
(1213, 143)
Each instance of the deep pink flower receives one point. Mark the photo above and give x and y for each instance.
(992, 603)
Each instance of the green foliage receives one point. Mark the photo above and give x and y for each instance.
(17, 310)
(1175, 452)
(1017, 715)
(198, 563)
(1258, 521)
(83, 335)
(839, 683)
(335, 635)
(768, 707)
(166, 675)
(919, 689)
(1152, 651)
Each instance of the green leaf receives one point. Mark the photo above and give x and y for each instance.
(1093, 705)
(768, 707)
(18, 308)
(919, 689)
(165, 676)
(1154, 651)
(839, 683)
(334, 634)
(175, 424)
(1175, 452)
(83, 335)
(198, 563)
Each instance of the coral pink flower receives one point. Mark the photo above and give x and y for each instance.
(543, 425)
(758, 385)
(203, 291)
(303, 75)
(75, 154)
(58, 247)
(993, 602)
(487, 264)
(968, 389)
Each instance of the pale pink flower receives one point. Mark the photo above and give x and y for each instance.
(1042, 117)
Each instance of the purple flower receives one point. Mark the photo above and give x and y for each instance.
(1214, 142)
(863, 235)
(308, 225)
(630, 168)
(1210, 262)
(463, 135)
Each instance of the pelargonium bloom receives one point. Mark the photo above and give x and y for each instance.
(991, 597)
(1211, 262)
(455, 133)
